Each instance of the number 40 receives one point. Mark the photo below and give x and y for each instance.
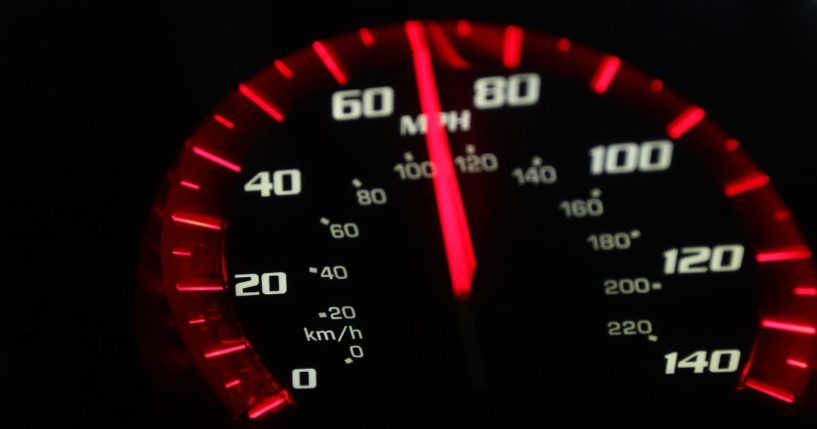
(281, 183)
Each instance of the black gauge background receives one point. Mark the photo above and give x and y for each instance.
(96, 99)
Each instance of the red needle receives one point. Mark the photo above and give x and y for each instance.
(456, 235)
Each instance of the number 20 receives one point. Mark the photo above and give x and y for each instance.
(278, 286)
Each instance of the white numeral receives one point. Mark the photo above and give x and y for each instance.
(353, 104)
(346, 230)
(498, 91)
(304, 378)
(374, 196)
(703, 259)
(624, 158)
(629, 327)
(335, 272)
(719, 361)
(281, 183)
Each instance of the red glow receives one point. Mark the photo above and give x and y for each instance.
(782, 215)
(216, 159)
(745, 185)
(329, 62)
(797, 363)
(608, 67)
(366, 37)
(232, 383)
(563, 45)
(446, 49)
(199, 287)
(267, 405)
(656, 85)
(456, 235)
(685, 121)
(805, 291)
(463, 28)
(283, 69)
(224, 121)
(181, 252)
(196, 220)
(769, 390)
(784, 254)
(732, 145)
(225, 351)
(198, 321)
(788, 327)
(512, 50)
(263, 104)
(191, 185)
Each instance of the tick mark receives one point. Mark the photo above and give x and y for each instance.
(772, 391)
(269, 405)
(797, 363)
(781, 215)
(805, 291)
(463, 28)
(745, 184)
(190, 185)
(270, 109)
(608, 67)
(283, 69)
(783, 254)
(445, 49)
(563, 45)
(197, 220)
(224, 121)
(330, 62)
(366, 37)
(201, 287)
(181, 252)
(794, 328)
(685, 121)
(216, 159)
(224, 351)
(512, 49)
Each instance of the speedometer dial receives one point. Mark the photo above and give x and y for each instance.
(467, 222)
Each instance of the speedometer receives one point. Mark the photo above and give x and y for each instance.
(466, 223)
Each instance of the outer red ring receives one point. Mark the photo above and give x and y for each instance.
(193, 224)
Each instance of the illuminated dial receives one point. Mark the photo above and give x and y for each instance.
(464, 223)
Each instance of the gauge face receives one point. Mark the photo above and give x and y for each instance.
(463, 223)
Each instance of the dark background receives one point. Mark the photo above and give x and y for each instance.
(97, 98)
